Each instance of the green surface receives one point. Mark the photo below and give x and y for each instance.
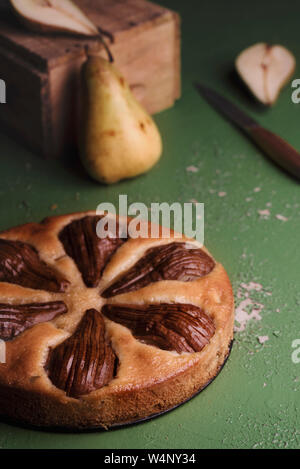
(254, 401)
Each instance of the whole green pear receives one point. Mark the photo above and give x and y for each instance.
(118, 138)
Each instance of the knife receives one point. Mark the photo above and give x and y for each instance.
(280, 151)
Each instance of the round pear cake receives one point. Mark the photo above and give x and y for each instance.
(105, 331)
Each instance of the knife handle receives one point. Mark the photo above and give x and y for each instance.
(278, 149)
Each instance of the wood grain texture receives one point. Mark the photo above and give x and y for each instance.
(146, 49)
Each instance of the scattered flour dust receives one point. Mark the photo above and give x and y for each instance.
(192, 169)
(264, 214)
(281, 217)
(263, 338)
(248, 307)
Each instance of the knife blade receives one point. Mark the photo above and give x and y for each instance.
(280, 151)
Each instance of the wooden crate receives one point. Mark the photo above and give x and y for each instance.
(41, 72)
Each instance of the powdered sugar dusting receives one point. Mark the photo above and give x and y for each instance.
(263, 338)
(281, 217)
(264, 214)
(252, 286)
(192, 169)
(242, 316)
(248, 308)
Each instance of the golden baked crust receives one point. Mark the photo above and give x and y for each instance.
(149, 380)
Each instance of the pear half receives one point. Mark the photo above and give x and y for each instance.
(53, 16)
(265, 69)
(118, 138)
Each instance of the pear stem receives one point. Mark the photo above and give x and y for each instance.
(107, 34)
(103, 42)
(107, 50)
